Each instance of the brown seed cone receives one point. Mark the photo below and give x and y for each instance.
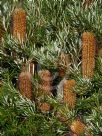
(44, 107)
(25, 84)
(88, 54)
(46, 81)
(69, 97)
(19, 24)
(78, 127)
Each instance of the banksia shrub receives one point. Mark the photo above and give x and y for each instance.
(69, 96)
(88, 54)
(19, 24)
(46, 81)
(78, 127)
(25, 84)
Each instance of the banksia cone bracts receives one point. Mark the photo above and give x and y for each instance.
(25, 84)
(69, 96)
(19, 24)
(88, 54)
(46, 81)
(78, 127)
(44, 107)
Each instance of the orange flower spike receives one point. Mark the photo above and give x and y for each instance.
(19, 24)
(46, 81)
(78, 127)
(69, 96)
(88, 54)
(25, 84)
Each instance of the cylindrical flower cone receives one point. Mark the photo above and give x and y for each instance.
(46, 81)
(78, 127)
(69, 96)
(19, 24)
(88, 54)
(25, 84)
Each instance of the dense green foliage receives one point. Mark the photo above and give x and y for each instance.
(52, 26)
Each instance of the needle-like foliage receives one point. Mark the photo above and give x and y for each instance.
(52, 29)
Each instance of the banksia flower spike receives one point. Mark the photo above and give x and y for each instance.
(78, 127)
(69, 96)
(25, 84)
(46, 81)
(19, 24)
(88, 54)
(46, 88)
